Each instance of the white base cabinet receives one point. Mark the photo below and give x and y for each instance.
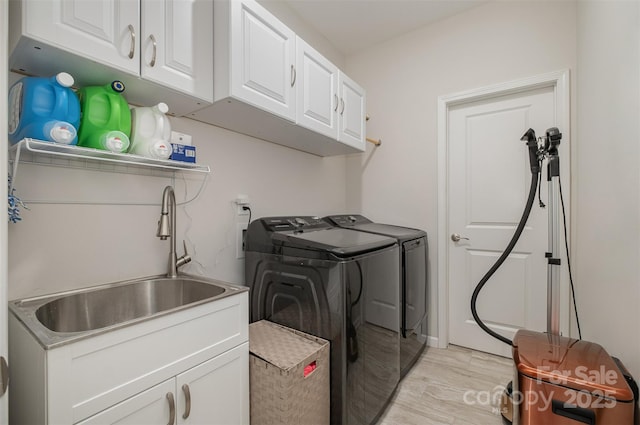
(213, 393)
(195, 360)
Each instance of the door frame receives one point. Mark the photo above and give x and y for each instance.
(559, 81)
(4, 54)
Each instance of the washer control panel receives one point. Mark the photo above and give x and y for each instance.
(348, 220)
(296, 223)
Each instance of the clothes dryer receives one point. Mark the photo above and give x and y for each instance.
(413, 254)
(340, 285)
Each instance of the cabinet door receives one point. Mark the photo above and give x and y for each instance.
(317, 91)
(217, 391)
(176, 45)
(150, 407)
(106, 32)
(262, 59)
(351, 113)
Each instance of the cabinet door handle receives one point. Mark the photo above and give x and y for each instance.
(341, 106)
(172, 408)
(335, 97)
(155, 50)
(187, 401)
(293, 75)
(132, 49)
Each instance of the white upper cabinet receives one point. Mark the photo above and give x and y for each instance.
(352, 113)
(328, 101)
(254, 57)
(160, 49)
(317, 94)
(271, 84)
(103, 31)
(175, 48)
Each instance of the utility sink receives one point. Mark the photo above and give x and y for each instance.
(109, 306)
(67, 316)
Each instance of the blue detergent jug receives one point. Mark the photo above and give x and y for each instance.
(45, 109)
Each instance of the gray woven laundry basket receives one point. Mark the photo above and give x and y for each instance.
(289, 376)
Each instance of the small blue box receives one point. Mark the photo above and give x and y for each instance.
(183, 153)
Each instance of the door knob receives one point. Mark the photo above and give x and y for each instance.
(456, 237)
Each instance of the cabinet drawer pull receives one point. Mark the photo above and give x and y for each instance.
(155, 50)
(172, 408)
(293, 75)
(335, 97)
(132, 49)
(341, 106)
(187, 401)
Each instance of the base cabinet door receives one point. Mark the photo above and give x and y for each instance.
(216, 392)
(150, 407)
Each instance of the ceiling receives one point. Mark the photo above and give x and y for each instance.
(353, 25)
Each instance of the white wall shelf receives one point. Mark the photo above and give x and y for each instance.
(37, 152)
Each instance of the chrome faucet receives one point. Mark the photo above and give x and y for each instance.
(166, 230)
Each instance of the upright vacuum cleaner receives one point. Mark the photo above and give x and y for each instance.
(558, 380)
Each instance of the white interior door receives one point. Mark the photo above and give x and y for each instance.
(489, 180)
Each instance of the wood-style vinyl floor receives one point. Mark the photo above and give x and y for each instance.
(452, 386)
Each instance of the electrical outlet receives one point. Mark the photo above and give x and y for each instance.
(241, 231)
(242, 201)
(241, 210)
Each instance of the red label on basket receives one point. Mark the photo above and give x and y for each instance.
(308, 369)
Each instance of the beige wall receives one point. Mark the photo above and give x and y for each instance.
(490, 44)
(291, 19)
(607, 249)
(599, 43)
(64, 246)
(70, 241)
(70, 245)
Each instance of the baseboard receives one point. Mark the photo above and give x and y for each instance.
(432, 341)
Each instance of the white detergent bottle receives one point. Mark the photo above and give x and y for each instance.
(151, 131)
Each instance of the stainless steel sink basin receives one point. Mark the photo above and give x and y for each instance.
(65, 317)
(109, 306)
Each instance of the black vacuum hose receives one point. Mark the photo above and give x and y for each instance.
(523, 221)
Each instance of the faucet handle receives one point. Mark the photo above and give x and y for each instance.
(186, 258)
(184, 244)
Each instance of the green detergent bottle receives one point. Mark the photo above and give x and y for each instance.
(106, 118)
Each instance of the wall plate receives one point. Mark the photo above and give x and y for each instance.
(241, 230)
